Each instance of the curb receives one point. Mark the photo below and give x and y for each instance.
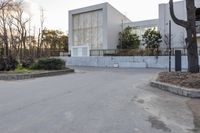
(182, 91)
(11, 77)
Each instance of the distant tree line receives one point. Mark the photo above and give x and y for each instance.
(16, 40)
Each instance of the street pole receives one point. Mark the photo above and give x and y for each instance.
(122, 32)
(170, 51)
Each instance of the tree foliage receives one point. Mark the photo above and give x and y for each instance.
(55, 39)
(128, 40)
(152, 38)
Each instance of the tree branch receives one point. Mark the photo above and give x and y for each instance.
(3, 4)
(174, 18)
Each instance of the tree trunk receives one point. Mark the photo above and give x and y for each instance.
(190, 26)
(193, 61)
(192, 53)
(5, 34)
(5, 38)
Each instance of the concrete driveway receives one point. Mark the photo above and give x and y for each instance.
(93, 100)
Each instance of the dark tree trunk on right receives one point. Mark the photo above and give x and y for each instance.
(190, 26)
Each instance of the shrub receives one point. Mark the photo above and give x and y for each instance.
(128, 40)
(48, 64)
(27, 62)
(21, 69)
(152, 38)
(8, 63)
(35, 66)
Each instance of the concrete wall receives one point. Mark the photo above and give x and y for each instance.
(124, 62)
(197, 3)
(114, 26)
(178, 32)
(103, 7)
(143, 24)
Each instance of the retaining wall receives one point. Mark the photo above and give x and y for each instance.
(9, 77)
(124, 62)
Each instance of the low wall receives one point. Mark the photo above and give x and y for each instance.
(10, 77)
(124, 62)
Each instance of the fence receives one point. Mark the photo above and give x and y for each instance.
(138, 52)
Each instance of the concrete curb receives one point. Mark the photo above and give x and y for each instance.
(11, 77)
(182, 91)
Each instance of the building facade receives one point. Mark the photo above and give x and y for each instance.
(94, 28)
(97, 27)
(178, 33)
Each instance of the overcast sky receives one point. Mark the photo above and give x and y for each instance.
(56, 12)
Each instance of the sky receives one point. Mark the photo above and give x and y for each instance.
(56, 12)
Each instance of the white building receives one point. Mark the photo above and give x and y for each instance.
(97, 27)
(94, 27)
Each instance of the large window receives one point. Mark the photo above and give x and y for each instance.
(88, 29)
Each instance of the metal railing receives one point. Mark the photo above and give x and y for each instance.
(138, 52)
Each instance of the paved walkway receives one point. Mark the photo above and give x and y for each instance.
(92, 101)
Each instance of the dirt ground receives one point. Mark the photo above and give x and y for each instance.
(184, 79)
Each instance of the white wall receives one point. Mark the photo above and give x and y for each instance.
(178, 32)
(102, 7)
(114, 26)
(143, 24)
(124, 62)
(197, 3)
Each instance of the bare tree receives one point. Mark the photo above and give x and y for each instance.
(40, 34)
(190, 26)
(4, 11)
(4, 3)
(20, 24)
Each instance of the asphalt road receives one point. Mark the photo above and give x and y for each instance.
(92, 100)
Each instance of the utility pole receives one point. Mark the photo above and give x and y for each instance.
(170, 50)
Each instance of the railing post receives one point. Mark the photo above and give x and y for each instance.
(170, 52)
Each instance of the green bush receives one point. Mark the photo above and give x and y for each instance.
(48, 64)
(128, 40)
(27, 62)
(8, 63)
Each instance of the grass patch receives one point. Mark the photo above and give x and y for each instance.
(21, 69)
